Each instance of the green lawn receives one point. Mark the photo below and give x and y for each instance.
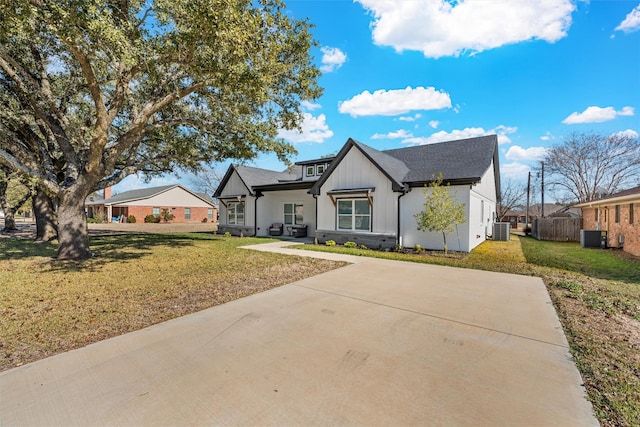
(47, 306)
(596, 294)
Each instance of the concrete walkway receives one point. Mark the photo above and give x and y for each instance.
(374, 343)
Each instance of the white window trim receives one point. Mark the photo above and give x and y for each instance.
(313, 170)
(353, 214)
(235, 213)
(295, 204)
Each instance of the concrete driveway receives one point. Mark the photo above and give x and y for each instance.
(374, 343)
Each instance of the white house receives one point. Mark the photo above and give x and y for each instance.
(367, 196)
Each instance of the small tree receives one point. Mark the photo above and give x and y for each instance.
(166, 215)
(441, 212)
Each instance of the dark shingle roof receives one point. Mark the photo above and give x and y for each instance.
(466, 159)
(394, 168)
(253, 177)
(257, 176)
(461, 161)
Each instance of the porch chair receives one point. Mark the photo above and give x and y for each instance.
(276, 229)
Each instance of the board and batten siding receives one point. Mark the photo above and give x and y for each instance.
(173, 197)
(235, 187)
(271, 209)
(356, 171)
(413, 202)
(483, 208)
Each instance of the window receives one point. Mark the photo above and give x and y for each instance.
(354, 214)
(320, 169)
(293, 214)
(156, 211)
(481, 212)
(310, 171)
(617, 214)
(631, 213)
(235, 213)
(187, 213)
(597, 214)
(210, 213)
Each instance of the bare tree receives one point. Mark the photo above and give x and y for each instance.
(207, 180)
(590, 165)
(512, 194)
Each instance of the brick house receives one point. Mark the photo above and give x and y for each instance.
(185, 205)
(619, 215)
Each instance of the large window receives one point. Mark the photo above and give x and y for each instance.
(156, 211)
(210, 213)
(293, 214)
(235, 213)
(354, 214)
(187, 213)
(617, 213)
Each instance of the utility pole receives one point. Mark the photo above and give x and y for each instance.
(526, 223)
(542, 188)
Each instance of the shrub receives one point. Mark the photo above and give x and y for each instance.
(350, 245)
(227, 234)
(131, 219)
(330, 243)
(204, 220)
(152, 219)
(419, 249)
(364, 247)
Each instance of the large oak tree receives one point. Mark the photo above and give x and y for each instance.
(92, 91)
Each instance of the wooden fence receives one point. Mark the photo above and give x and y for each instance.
(557, 229)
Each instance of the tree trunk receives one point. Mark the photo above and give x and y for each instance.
(73, 234)
(46, 227)
(444, 239)
(9, 220)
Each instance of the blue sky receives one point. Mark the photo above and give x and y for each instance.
(398, 73)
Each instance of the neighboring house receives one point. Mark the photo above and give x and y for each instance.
(619, 215)
(366, 195)
(185, 205)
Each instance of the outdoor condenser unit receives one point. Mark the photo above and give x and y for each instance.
(593, 238)
(501, 231)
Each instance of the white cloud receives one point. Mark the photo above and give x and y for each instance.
(410, 118)
(332, 59)
(547, 136)
(503, 132)
(399, 134)
(434, 123)
(442, 136)
(514, 170)
(395, 102)
(518, 153)
(310, 106)
(596, 114)
(314, 129)
(632, 22)
(449, 28)
(629, 133)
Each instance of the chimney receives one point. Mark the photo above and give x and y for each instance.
(107, 193)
